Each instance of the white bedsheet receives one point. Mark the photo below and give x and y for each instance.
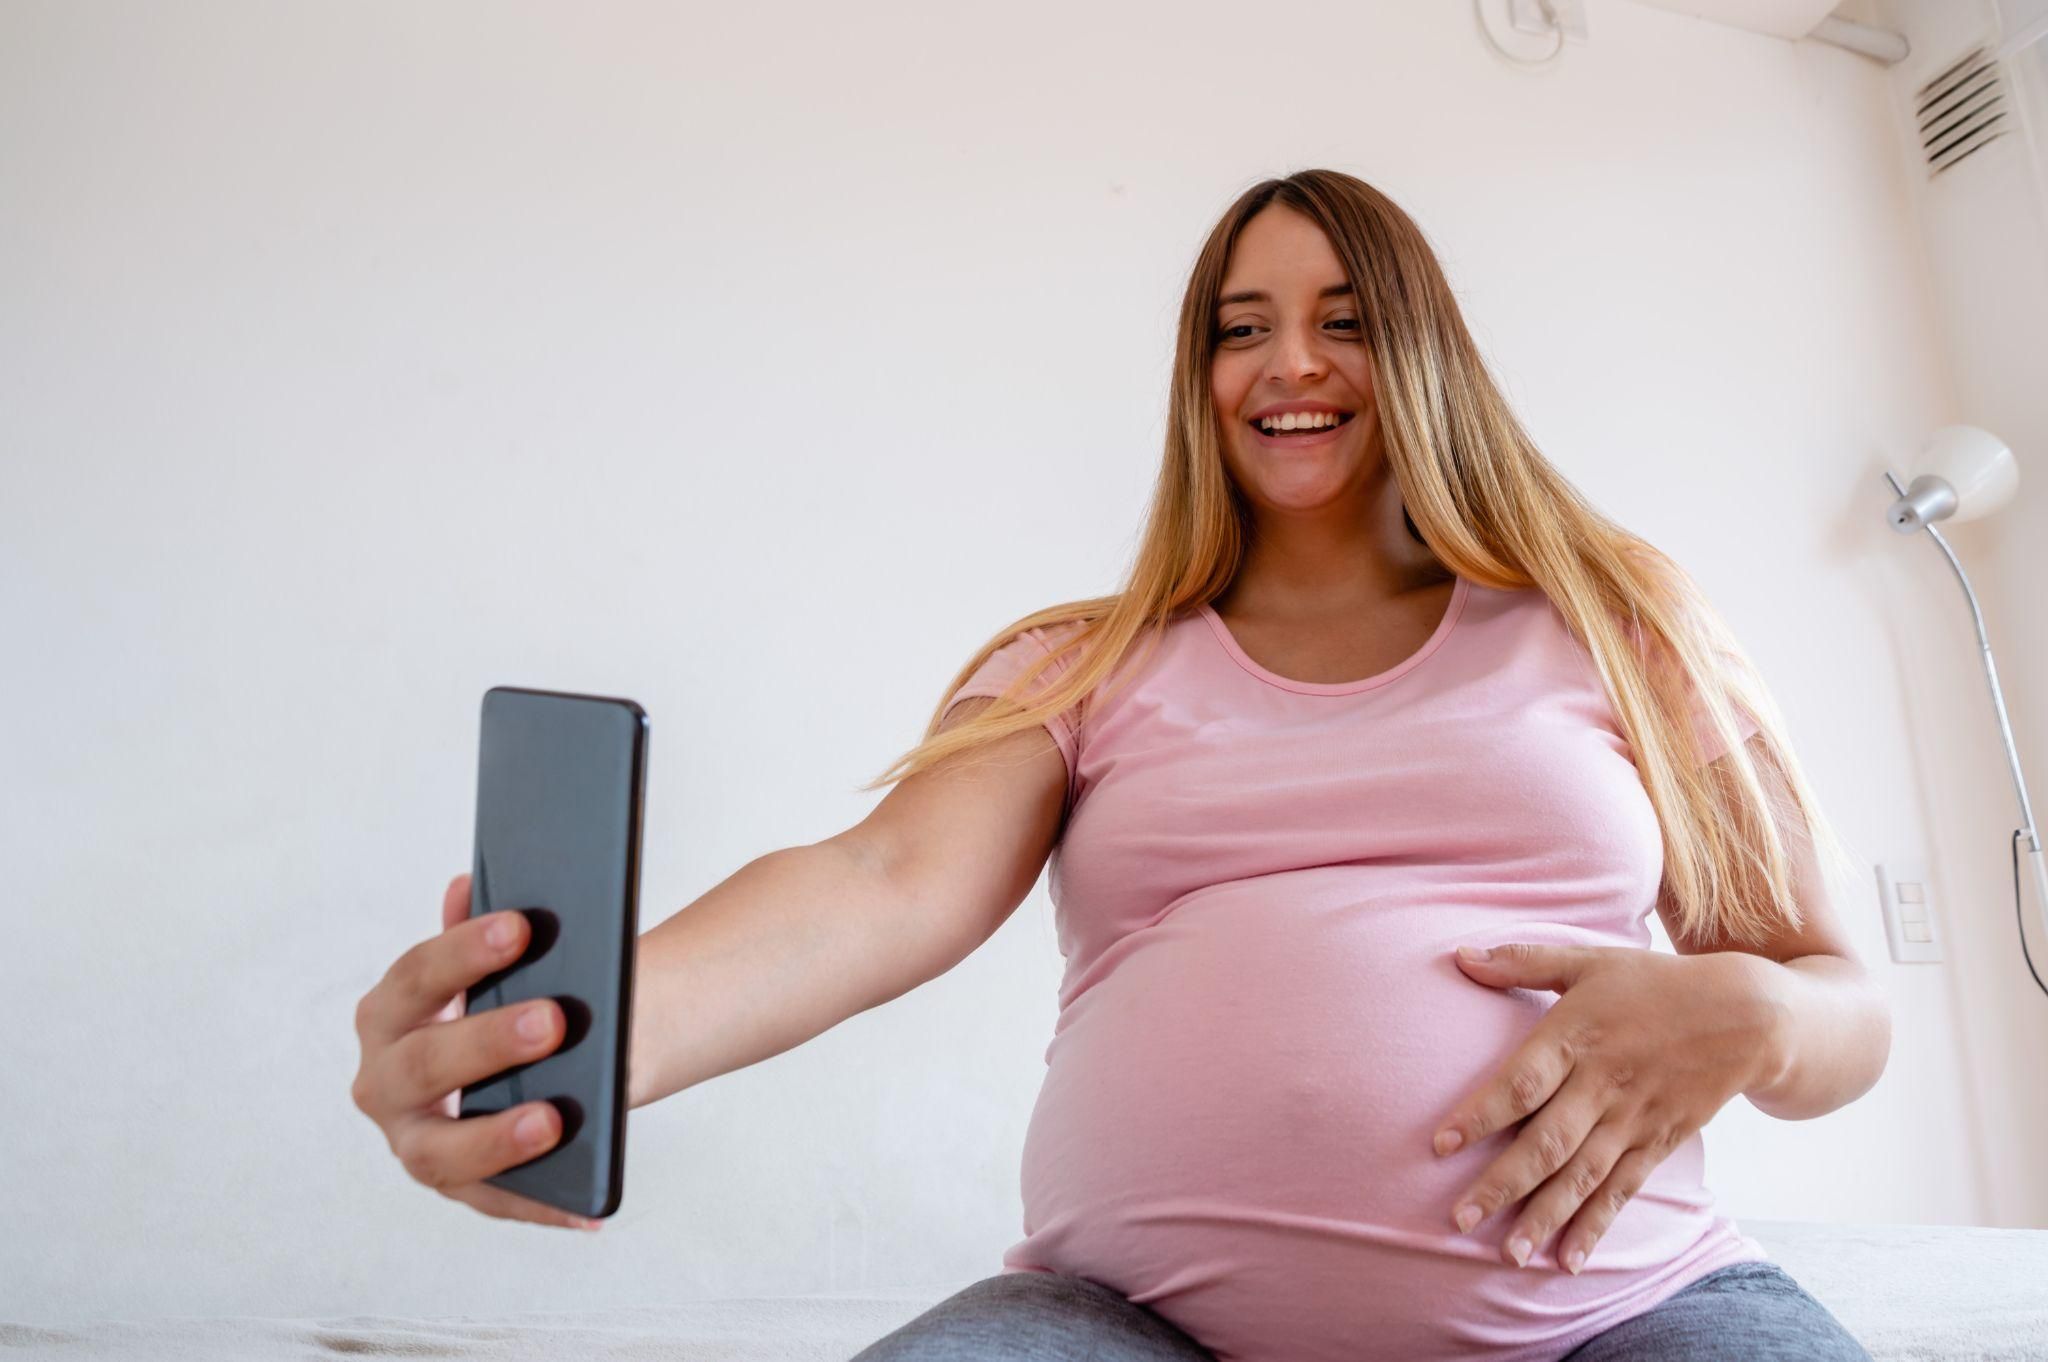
(1933, 1292)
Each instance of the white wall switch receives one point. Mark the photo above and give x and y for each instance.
(1908, 903)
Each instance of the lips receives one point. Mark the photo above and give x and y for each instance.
(1342, 418)
(1296, 439)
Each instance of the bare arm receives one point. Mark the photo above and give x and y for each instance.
(790, 945)
(798, 940)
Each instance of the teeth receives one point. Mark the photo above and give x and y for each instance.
(1299, 421)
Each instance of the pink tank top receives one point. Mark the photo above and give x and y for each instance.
(1257, 892)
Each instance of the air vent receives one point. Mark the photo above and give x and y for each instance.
(1962, 109)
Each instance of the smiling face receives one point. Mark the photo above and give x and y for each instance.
(1296, 347)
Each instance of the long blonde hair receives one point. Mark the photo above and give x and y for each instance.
(1480, 496)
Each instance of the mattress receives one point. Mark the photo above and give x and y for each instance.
(1906, 1291)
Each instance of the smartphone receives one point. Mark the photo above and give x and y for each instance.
(561, 780)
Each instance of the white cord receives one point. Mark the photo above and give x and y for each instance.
(1549, 13)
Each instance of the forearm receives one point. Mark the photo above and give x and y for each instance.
(782, 950)
(1829, 1038)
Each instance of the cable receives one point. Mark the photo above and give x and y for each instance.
(2018, 915)
(1550, 13)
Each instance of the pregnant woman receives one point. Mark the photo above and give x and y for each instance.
(1380, 687)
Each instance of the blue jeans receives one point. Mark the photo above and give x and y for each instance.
(1745, 1312)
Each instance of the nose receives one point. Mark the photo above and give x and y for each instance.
(1297, 359)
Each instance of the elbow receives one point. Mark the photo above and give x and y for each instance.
(1881, 1024)
(1875, 1031)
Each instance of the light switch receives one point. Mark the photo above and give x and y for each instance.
(1906, 897)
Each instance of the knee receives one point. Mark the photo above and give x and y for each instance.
(1030, 1317)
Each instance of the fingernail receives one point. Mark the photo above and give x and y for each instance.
(1447, 1141)
(1467, 1217)
(532, 1128)
(533, 1022)
(1575, 1260)
(500, 932)
(1474, 952)
(593, 1224)
(1518, 1249)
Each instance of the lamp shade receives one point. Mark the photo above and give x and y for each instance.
(1963, 472)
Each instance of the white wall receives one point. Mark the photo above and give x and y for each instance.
(1985, 222)
(359, 358)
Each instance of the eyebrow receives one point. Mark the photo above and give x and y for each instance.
(1255, 296)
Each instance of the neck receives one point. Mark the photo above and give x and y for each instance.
(1334, 560)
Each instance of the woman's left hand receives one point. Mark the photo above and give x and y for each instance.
(1639, 1051)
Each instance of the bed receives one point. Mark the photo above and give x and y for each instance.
(1907, 1291)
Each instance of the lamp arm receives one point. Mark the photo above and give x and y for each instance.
(1991, 674)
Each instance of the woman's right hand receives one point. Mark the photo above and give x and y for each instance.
(419, 1052)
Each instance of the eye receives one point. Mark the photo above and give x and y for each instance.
(1226, 332)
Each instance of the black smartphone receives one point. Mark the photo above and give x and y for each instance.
(561, 780)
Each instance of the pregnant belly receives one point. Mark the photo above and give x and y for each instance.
(1235, 1123)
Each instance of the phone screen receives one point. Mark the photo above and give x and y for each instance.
(560, 784)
